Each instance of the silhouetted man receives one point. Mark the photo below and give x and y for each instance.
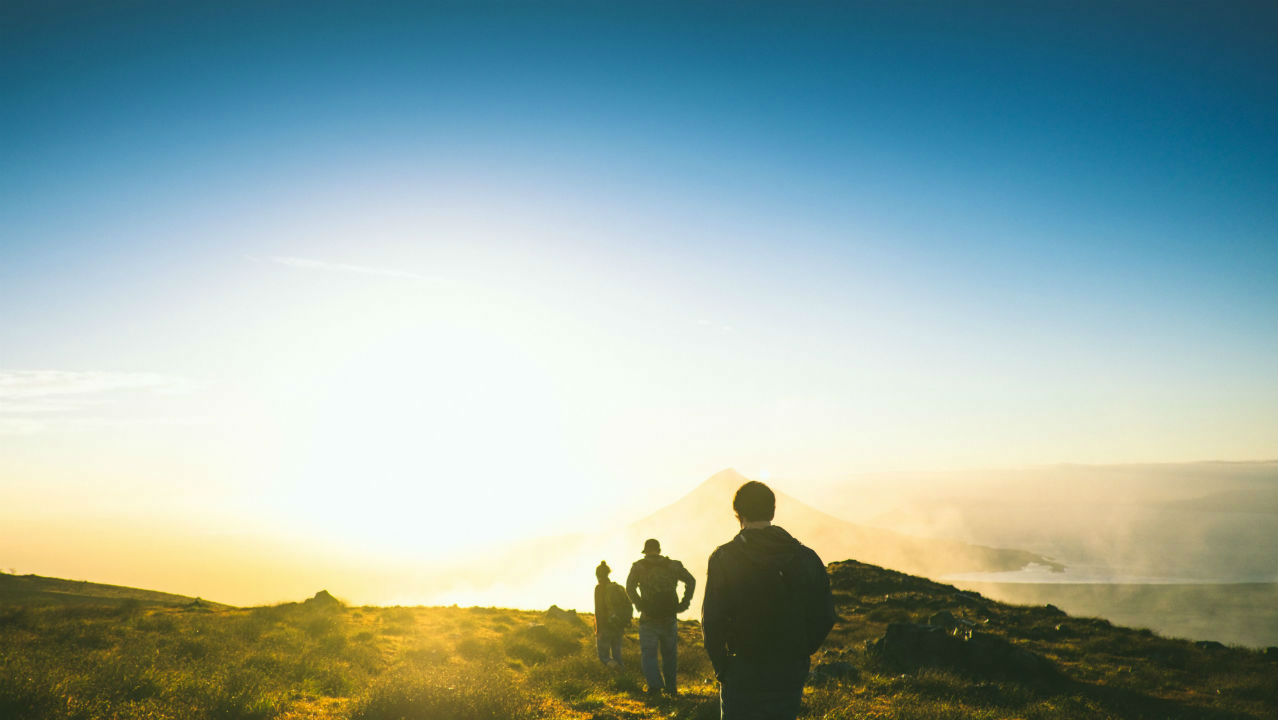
(652, 586)
(767, 608)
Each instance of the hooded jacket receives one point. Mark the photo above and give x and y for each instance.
(767, 602)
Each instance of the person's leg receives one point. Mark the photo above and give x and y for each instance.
(670, 656)
(601, 646)
(783, 704)
(740, 702)
(648, 642)
(616, 648)
(788, 701)
(735, 701)
(753, 692)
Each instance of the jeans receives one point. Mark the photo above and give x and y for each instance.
(660, 635)
(771, 691)
(609, 646)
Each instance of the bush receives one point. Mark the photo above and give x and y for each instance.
(556, 640)
(525, 653)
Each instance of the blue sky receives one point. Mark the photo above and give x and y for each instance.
(807, 238)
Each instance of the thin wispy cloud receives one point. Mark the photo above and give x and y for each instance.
(24, 384)
(33, 401)
(323, 265)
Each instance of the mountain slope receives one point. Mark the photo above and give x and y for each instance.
(697, 523)
(38, 590)
(1097, 669)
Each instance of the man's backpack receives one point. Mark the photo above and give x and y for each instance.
(658, 587)
(620, 611)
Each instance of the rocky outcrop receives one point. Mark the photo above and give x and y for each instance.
(323, 599)
(557, 614)
(909, 647)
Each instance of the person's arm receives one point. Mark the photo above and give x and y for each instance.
(821, 615)
(632, 588)
(689, 587)
(714, 616)
(599, 606)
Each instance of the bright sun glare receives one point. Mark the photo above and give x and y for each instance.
(425, 423)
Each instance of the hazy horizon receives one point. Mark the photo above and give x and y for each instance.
(243, 565)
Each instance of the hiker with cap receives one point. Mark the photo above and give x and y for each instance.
(612, 616)
(652, 586)
(767, 608)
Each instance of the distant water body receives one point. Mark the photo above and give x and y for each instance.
(1075, 574)
(1233, 612)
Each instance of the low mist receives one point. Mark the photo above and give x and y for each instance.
(1189, 550)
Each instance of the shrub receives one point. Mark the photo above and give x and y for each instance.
(525, 653)
(556, 640)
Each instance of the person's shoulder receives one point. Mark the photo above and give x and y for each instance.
(803, 547)
(810, 557)
(725, 550)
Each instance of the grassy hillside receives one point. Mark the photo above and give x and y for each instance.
(37, 590)
(321, 659)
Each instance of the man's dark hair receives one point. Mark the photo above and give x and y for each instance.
(754, 501)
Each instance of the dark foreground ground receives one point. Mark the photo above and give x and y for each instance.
(114, 654)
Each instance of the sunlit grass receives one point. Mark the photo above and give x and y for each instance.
(298, 660)
(322, 660)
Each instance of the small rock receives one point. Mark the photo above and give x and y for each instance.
(833, 671)
(944, 619)
(557, 614)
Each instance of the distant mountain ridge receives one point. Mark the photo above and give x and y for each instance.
(560, 569)
(696, 523)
